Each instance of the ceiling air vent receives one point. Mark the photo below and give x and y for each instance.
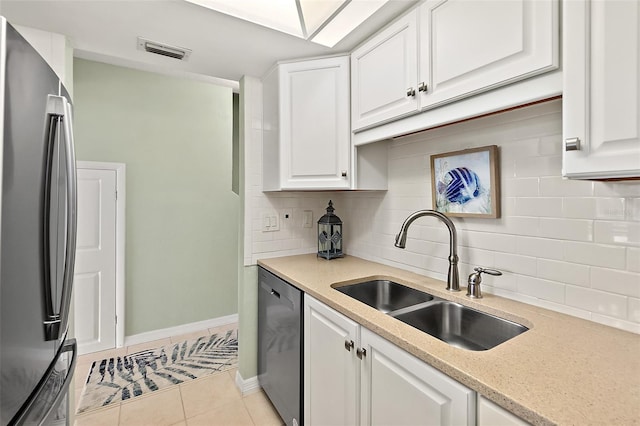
(163, 49)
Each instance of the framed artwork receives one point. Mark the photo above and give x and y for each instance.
(466, 183)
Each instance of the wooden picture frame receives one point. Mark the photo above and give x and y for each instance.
(466, 183)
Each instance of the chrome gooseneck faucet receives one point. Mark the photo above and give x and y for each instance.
(453, 283)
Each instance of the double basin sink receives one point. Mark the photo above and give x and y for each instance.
(451, 322)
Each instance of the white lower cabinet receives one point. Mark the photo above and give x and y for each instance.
(489, 414)
(331, 369)
(353, 376)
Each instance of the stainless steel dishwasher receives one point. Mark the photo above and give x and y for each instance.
(280, 345)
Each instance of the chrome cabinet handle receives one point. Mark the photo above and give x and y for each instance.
(572, 144)
(361, 352)
(411, 91)
(422, 87)
(348, 345)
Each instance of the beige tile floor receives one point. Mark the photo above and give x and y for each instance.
(207, 401)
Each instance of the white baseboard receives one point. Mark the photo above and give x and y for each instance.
(247, 386)
(179, 329)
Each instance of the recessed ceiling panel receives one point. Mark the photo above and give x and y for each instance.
(317, 12)
(281, 15)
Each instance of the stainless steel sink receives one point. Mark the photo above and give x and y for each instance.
(384, 295)
(451, 322)
(462, 326)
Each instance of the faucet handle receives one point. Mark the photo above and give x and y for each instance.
(473, 287)
(480, 270)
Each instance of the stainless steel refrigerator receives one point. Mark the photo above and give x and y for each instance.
(38, 236)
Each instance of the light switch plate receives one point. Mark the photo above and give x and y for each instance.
(307, 219)
(270, 221)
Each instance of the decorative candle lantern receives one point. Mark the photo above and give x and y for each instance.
(330, 235)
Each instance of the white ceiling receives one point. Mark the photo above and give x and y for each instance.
(223, 46)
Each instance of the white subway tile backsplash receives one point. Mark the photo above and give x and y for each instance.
(617, 189)
(568, 245)
(610, 208)
(566, 229)
(556, 186)
(491, 241)
(514, 263)
(525, 187)
(614, 281)
(617, 232)
(476, 257)
(564, 272)
(597, 301)
(633, 259)
(632, 210)
(608, 256)
(633, 310)
(579, 208)
(616, 322)
(539, 206)
(538, 166)
(550, 145)
(541, 289)
(540, 247)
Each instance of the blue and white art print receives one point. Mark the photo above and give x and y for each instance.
(465, 183)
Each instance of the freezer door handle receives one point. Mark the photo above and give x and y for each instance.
(37, 409)
(60, 220)
(70, 345)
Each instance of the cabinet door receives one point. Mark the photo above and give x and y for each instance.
(331, 369)
(601, 89)
(399, 389)
(383, 71)
(489, 414)
(469, 46)
(315, 134)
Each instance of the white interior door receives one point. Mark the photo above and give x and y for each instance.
(95, 270)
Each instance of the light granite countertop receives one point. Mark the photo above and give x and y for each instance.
(564, 370)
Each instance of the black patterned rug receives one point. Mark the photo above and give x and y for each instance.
(121, 378)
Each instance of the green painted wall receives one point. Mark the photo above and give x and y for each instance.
(175, 136)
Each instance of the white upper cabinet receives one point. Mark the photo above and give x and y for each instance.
(601, 111)
(307, 140)
(384, 72)
(469, 46)
(448, 50)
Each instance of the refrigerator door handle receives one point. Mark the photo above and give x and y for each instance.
(29, 410)
(72, 219)
(60, 219)
(70, 345)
